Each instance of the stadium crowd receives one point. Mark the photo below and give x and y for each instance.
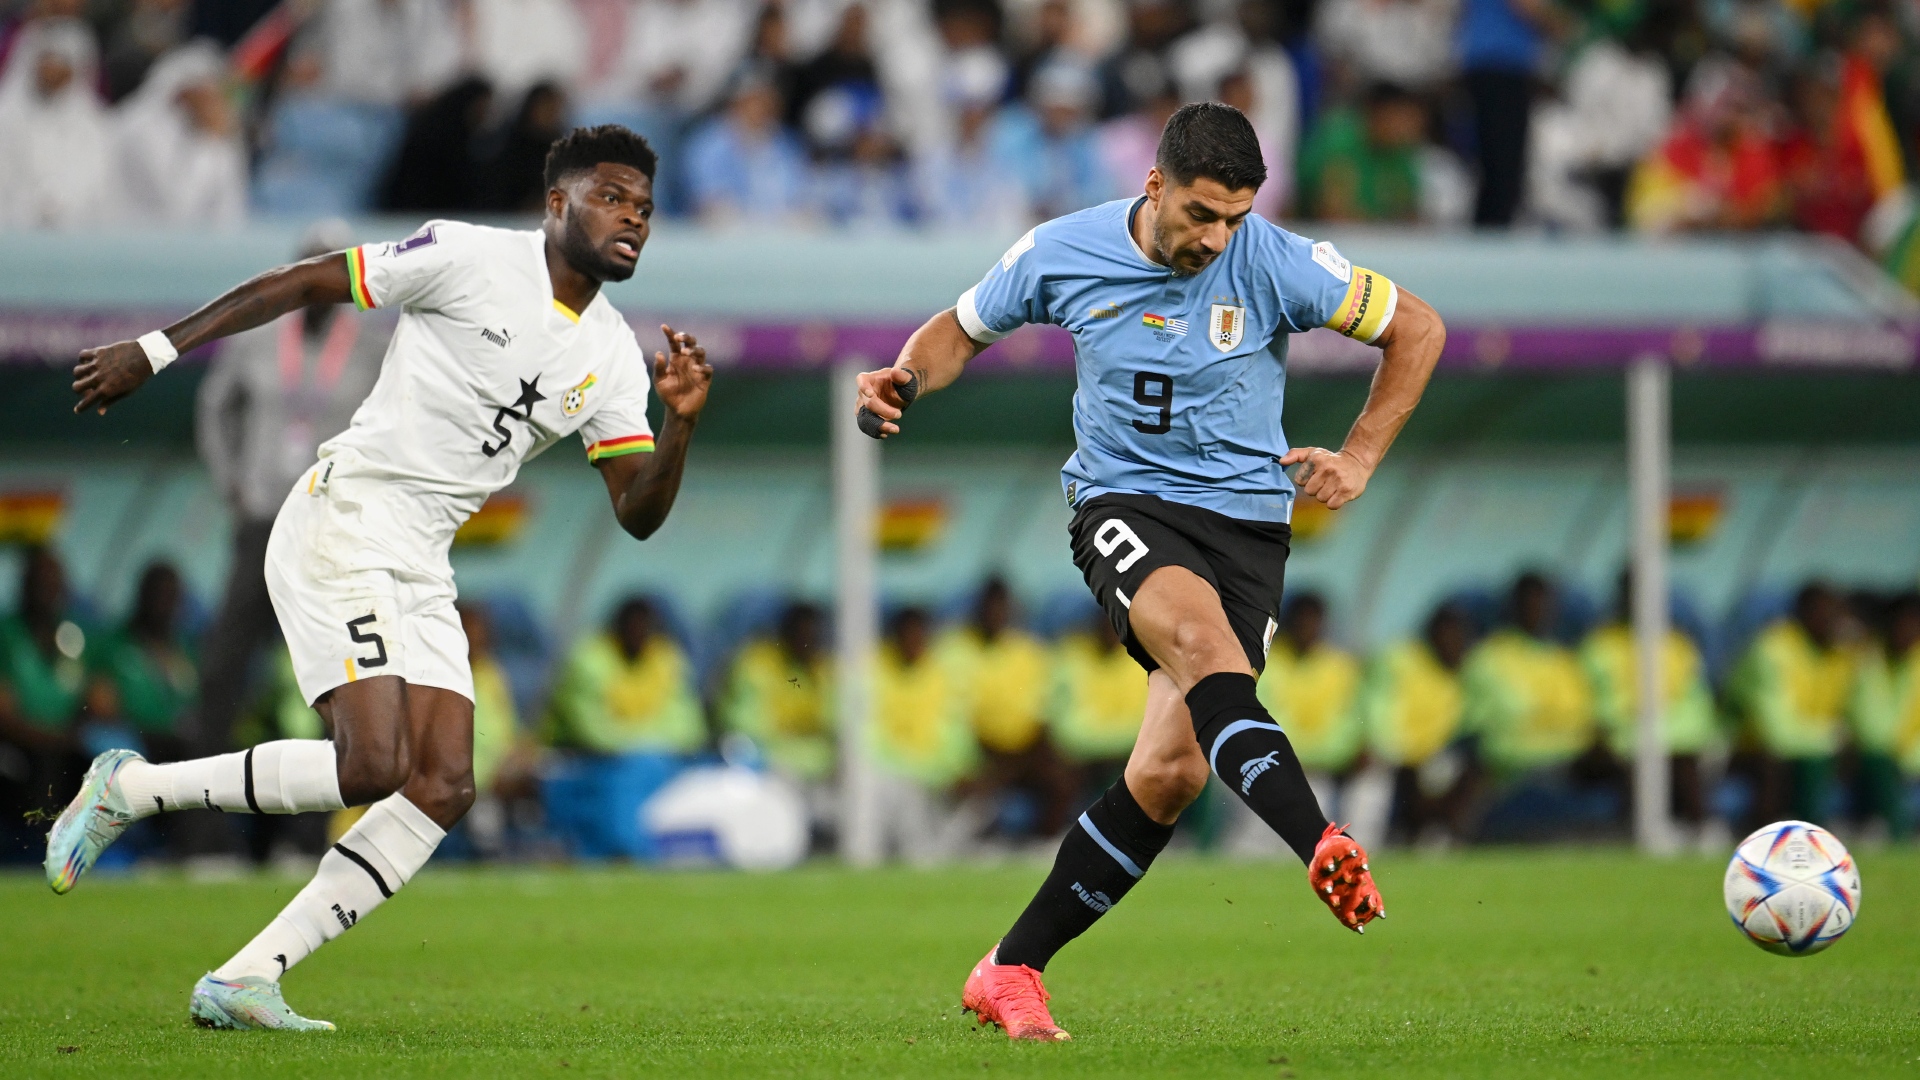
(1508, 718)
(1583, 115)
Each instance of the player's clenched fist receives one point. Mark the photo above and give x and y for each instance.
(1334, 478)
(1340, 878)
(884, 397)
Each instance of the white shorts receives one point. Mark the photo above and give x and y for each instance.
(360, 589)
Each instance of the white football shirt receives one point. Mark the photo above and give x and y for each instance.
(486, 369)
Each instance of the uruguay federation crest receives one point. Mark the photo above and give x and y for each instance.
(1225, 326)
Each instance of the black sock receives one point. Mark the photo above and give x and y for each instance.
(1249, 751)
(1105, 852)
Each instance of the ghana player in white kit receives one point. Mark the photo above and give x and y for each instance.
(504, 346)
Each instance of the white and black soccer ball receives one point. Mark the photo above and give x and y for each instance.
(1792, 888)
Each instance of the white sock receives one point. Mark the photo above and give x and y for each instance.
(382, 852)
(290, 776)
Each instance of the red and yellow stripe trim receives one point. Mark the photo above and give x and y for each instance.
(631, 444)
(357, 279)
(1367, 308)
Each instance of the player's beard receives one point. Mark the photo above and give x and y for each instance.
(580, 251)
(1167, 252)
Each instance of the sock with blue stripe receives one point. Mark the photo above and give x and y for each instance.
(1105, 852)
(1248, 751)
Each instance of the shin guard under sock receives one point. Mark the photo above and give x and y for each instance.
(287, 776)
(1248, 751)
(382, 852)
(1104, 853)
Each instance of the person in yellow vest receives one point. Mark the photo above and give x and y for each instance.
(1791, 690)
(1002, 672)
(1411, 706)
(1688, 723)
(1526, 697)
(503, 756)
(1312, 689)
(777, 693)
(1884, 713)
(1098, 696)
(921, 743)
(628, 689)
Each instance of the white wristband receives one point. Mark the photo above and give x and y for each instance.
(160, 351)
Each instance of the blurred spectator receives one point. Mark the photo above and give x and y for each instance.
(1791, 690)
(1614, 108)
(1136, 71)
(1312, 690)
(1500, 46)
(836, 95)
(43, 658)
(1050, 146)
(1365, 165)
(627, 689)
(148, 30)
(1687, 720)
(1003, 674)
(1099, 700)
(679, 53)
(517, 43)
(1404, 42)
(1257, 75)
(1719, 167)
(150, 665)
(438, 166)
(501, 757)
(393, 53)
(921, 743)
(181, 159)
(870, 186)
(1055, 34)
(56, 149)
(778, 694)
(1884, 714)
(743, 166)
(1411, 706)
(321, 154)
(1130, 143)
(271, 396)
(517, 171)
(1842, 156)
(962, 186)
(1526, 697)
(278, 710)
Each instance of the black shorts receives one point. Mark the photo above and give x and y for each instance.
(1119, 539)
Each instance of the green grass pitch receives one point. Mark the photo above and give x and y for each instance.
(1534, 964)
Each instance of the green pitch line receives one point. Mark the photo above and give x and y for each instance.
(1508, 963)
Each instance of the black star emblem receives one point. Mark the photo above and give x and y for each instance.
(529, 393)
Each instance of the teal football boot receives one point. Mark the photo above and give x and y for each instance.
(95, 818)
(246, 1003)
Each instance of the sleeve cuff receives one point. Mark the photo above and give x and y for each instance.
(357, 279)
(970, 320)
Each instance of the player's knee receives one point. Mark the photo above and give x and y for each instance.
(1167, 786)
(371, 772)
(445, 795)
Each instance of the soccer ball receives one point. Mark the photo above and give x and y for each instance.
(1792, 888)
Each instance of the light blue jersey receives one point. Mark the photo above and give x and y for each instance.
(1181, 379)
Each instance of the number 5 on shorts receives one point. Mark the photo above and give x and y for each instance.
(1112, 533)
(369, 638)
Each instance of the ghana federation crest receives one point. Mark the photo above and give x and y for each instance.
(1225, 326)
(576, 398)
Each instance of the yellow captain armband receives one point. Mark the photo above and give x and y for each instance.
(1367, 308)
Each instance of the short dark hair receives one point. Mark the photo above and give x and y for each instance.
(583, 148)
(1208, 139)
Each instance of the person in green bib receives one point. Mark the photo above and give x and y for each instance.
(627, 689)
(1411, 705)
(149, 664)
(1883, 712)
(1791, 691)
(42, 679)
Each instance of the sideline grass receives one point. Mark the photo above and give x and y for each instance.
(1508, 963)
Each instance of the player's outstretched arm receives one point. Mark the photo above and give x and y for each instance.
(105, 375)
(1409, 348)
(932, 359)
(643, 486)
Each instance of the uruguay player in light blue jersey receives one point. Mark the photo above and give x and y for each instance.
(1180, 303)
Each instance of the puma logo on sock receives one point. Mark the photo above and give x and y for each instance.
(1096, 899)
(347, 918)
(1250, 771)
